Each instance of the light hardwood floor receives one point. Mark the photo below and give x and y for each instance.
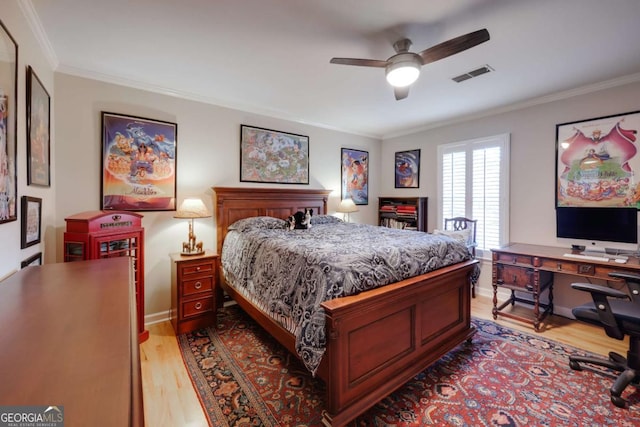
(170, 399)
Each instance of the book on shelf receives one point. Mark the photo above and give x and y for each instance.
(394, 223)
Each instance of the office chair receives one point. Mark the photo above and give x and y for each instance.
(619, 314)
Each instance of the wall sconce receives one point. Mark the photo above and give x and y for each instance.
(346, 207)
(192, 208)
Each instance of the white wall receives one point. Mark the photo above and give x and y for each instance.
(532, 185)
(208, 154)
(29, 53)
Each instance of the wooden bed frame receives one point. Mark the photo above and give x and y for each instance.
(377, 340)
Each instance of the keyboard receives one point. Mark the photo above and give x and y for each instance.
(587, 257)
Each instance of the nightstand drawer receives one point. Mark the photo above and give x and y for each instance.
(197, 307)
(191, 269)
(196, 286)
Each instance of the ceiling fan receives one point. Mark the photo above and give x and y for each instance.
(403, 68)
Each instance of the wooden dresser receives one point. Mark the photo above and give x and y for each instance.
(70, 339)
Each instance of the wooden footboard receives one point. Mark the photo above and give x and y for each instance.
(377, 340)
(380, 339)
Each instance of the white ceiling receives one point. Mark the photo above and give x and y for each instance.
(272, 56)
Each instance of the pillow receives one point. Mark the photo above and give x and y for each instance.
(463, 236)
(325, 219)
(257, 223)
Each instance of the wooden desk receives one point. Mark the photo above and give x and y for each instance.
(527, 271)
(69, 338)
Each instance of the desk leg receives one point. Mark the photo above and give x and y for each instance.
(494, 283)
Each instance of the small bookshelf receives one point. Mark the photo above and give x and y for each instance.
(407, 213)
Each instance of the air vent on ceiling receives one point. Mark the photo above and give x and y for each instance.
(475, 73)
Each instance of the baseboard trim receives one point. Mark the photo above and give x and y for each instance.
(159, 317)
(504, 294)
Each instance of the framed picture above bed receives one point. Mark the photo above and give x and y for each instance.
(272, 156)
(407, 169)
(354, 173)
(138, 163)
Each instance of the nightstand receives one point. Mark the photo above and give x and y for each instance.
(194, 282)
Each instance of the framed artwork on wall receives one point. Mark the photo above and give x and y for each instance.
(354, 175)
(407, 169)
(38, 131)
(32, 260)
(272, 156)
(597, 163)
(8, 124)
(138, 163)
(31, 221)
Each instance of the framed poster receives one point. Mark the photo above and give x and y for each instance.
(354, 175)
(31, 221)
(8, 123)
(32, 260)
(138, 163)
(407, 169)
(597, 162)
(38, 130)
(272, 156)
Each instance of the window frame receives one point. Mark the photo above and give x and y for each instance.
(468, 146)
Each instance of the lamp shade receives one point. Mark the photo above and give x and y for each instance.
(403, 71)
(192, 208)
(347, 206)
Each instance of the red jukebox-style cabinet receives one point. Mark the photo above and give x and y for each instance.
(107, 234)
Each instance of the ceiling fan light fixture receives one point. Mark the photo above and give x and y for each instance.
(403, 71)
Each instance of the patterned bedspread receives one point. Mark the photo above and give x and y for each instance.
(288, 273)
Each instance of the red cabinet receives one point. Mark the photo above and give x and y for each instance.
(108, 234)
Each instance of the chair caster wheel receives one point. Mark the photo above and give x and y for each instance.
(576, 366)
(619, 401)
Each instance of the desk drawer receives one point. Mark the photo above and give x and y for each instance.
(507, 258)
(515, 276)
(579, 268)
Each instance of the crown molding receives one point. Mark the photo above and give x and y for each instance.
(29, 12)
(248, 108)
(558, 96)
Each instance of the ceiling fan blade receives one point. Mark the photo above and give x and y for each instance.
(360, 62)
(401, 92)
(453, 46)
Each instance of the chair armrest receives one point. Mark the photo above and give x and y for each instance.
(599, 290)
(600, 295)
(631, 277)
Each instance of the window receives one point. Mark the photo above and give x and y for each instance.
(474, 183)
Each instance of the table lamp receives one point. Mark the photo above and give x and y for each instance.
(192, 208)
(346, 207)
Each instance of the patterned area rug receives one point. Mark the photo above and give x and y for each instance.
(503, 378)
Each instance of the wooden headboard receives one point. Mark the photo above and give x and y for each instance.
(234, 203)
